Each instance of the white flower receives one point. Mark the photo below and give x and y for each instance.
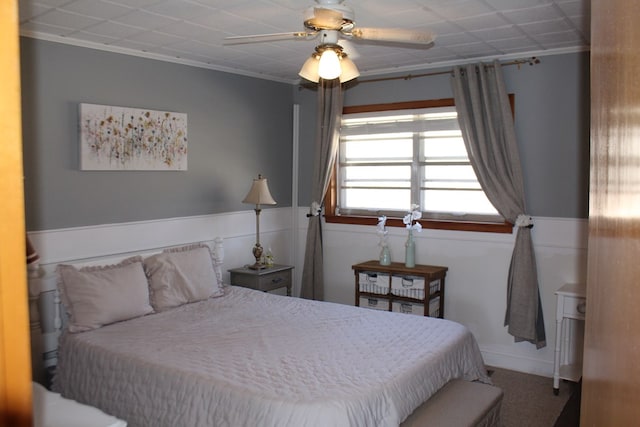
(382, 220)
(414, 215)
(382, 230)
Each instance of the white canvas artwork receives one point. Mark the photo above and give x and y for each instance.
(120, 138)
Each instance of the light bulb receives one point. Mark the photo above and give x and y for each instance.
(329, 67)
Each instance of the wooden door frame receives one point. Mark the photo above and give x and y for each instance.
(15, 357)
(610, 388)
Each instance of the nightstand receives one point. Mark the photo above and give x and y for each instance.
(267, 279)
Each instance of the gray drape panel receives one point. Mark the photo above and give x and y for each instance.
(487, 128)
(327, 139)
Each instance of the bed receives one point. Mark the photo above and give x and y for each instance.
(231, 356)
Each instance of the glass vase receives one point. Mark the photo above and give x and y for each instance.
(385, 255)
(410, 251)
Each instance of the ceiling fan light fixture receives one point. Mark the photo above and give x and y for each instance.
(332, 24)
(309, 69)
(329, 66)
(349, 69)
(329, 62)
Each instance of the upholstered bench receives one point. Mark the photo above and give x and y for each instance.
(459, 404)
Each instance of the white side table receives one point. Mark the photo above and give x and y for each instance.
(570, 312)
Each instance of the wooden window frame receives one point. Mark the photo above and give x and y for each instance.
(331, 197)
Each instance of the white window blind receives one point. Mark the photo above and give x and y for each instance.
(391, 159)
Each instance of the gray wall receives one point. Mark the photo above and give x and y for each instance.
(551, 119)
(237, 127)
(240, 126)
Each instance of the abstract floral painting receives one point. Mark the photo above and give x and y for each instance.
(120, 138)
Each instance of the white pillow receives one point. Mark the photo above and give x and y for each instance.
(181, 275)
(97, 296)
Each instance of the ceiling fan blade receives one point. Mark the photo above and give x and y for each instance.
(261, 38)
(395, 35)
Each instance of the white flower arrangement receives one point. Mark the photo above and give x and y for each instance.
(411, 219)
(382, 230)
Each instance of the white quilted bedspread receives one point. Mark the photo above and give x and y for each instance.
(256, 359)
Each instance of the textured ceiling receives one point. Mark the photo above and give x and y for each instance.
(192, 31)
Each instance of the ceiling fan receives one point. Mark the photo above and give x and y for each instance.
(332, 23)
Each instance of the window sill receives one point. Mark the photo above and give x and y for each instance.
(486, 227)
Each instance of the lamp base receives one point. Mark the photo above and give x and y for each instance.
(257, 253)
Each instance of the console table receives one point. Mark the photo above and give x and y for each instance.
(395, 287)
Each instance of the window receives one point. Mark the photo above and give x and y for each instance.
(393, 155)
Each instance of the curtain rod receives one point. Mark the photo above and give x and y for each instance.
(531, 61)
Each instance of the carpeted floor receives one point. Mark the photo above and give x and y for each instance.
(529, 400)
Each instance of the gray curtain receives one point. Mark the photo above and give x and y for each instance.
(487, 128)
(327, 139)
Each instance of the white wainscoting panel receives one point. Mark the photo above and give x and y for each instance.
(116, 240)
(475, 284)
(236, 228)
(476, 281)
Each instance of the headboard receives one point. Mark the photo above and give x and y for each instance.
(47, 317)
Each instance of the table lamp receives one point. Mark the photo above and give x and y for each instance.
(258, 195)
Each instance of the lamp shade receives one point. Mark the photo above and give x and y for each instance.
(259, 193)
(309, 70)
(349, 69)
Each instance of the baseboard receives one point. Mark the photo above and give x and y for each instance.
(517, 363)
